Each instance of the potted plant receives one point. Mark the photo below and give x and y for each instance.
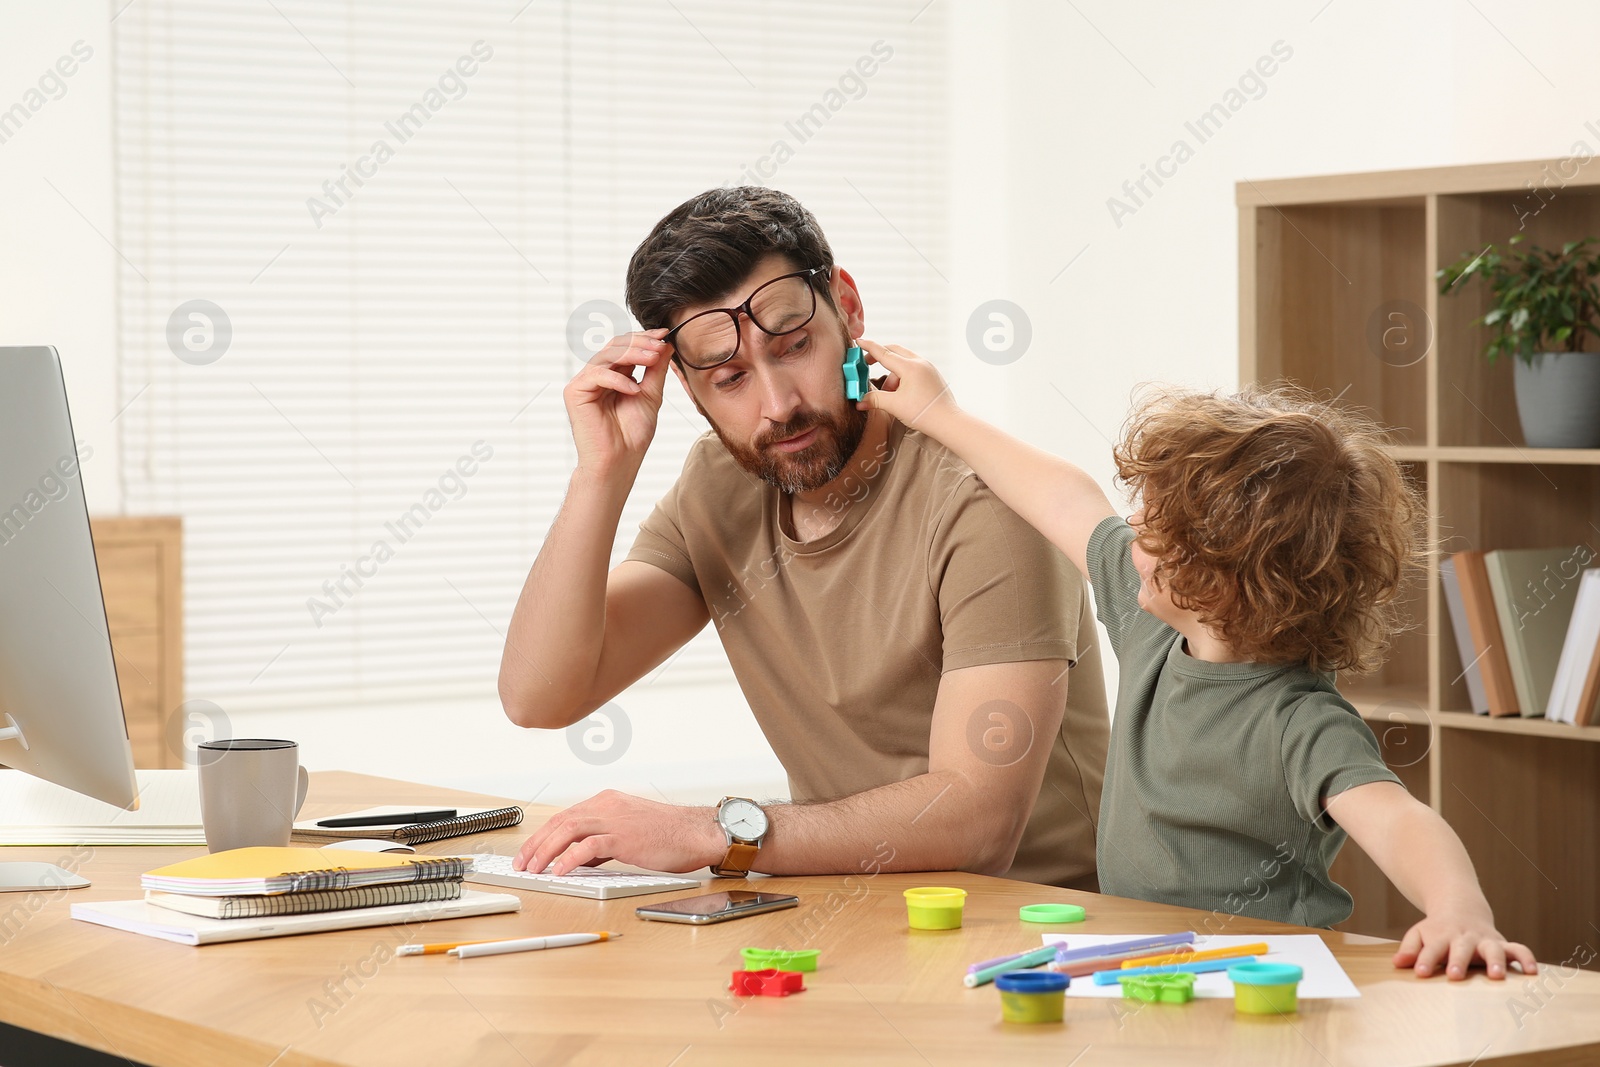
(1545, 306)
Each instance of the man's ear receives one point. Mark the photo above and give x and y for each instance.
(847, 298)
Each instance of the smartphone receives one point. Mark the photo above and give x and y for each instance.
(716, 907)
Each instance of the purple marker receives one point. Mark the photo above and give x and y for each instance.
(1142, 944)
(1113, 948)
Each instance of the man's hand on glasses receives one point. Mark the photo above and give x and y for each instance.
(613, 417)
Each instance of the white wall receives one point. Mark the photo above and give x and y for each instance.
(1370, 86)
(57, 269)
(1052, 108)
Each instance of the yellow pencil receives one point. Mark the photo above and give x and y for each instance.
(1257, 949)
(434, 950)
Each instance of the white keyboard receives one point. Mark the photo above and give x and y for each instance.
(595, 883)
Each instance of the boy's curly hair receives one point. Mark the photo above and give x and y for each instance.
(1278, 518)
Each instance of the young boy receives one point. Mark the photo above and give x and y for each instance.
(1274, 538)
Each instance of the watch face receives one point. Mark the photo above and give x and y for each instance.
(743, 819)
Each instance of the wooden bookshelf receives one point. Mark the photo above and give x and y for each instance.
(141, 578)
(1326, 265)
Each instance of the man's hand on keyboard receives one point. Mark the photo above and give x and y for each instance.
(616, 826)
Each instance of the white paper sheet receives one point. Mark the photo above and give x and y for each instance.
(1324, 978)
(36, 812)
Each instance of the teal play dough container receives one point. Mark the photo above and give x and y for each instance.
(1032, 996)
(935, 907)
(1265, 988)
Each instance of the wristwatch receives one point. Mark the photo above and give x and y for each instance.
(745, 825)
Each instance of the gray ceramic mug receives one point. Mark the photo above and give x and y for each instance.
(250, 791)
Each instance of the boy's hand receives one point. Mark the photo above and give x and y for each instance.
(1461, 937)
(914, 392)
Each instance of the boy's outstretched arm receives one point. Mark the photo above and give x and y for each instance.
(1058, 499)
(1425, 860)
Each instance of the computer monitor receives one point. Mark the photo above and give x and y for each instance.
(61, 712)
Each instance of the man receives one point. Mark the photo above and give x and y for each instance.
(904, 640)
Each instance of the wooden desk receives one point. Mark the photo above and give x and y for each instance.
(658, 996)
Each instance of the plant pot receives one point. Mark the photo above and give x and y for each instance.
(1558, 399)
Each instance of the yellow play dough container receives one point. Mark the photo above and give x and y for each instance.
(1265, 988)
(935, 907)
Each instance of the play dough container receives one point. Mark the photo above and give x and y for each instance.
(1050, 913)
(799, 959)
(1265, 988)
(1032, 996)
(935, 907)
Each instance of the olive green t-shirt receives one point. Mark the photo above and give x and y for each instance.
(1214, 785)
(839, 643)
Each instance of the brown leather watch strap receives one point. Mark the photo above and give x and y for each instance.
(736, 864)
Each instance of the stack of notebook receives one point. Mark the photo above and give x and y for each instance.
(225, 896)
(247, 883)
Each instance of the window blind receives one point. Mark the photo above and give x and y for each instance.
(357, 239)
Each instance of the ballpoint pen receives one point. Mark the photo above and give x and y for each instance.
(529, 944)
(389, 820)
(436, 949)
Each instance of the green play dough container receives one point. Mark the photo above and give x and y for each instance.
(1265, 988)
(1050, 913)
(935, 907)
(760, 959)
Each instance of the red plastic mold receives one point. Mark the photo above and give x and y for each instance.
(768, 983)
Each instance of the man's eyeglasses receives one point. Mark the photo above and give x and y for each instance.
(780, 306)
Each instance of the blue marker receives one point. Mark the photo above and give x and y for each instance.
(1202, 967)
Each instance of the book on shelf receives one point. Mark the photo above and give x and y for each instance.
(258, 907)
(1534, 592)
(1470, 656)
(1577, 681)
(1587, 708)
(1483, 623)
(466, 821)
(267, 870)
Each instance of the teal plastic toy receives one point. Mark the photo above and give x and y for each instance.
(855, 373)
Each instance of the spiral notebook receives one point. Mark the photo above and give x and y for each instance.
(265, 870)
(467, 821)
(256, 907)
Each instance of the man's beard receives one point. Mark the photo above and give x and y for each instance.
(838, 437)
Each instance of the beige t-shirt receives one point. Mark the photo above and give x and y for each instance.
(839, 643)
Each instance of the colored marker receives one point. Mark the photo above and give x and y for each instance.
(1259, 948)
(1036, 958)
(1203, 967)
(1148, 945)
